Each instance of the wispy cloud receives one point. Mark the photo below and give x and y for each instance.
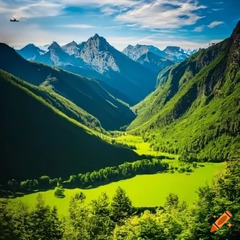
(155, 14)
(31, 8)
(215, 23)
(198, 29)
(79, 26)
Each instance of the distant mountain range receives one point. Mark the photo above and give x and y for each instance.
(155, 59)
(129, 78)
(195, 110)
(96, 58)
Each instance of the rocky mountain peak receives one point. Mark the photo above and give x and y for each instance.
(54, 46)
(71, 48)
(97, 43)
(97, 52)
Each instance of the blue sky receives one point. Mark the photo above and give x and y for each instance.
(185, 23)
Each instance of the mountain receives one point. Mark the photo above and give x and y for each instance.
(155, 59)
(85, 93)
(30, 52)
(96, 58)
(71, 48)
(135, 52)
(176, 54)
(38, 139)
(195, 111)
(148, 56)
(173, 54)
(154, 62)
(56, 56)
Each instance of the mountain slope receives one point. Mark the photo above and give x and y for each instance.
(37, 139)
(85, 93)
(196, 112)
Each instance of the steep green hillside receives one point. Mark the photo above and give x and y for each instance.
(37, 139)
(196, 111)
(85, 93)
(63, 105)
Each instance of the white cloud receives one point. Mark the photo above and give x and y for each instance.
(163, 14)
(79, 26)
(198, 29)
(54, 7)
(215, 23)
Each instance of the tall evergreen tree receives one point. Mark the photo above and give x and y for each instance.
(121, 206)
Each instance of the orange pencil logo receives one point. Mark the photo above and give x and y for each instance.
(219, 223)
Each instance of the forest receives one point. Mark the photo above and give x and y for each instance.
(118, 219)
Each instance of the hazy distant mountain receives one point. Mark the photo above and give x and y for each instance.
(135, 52)
(71, 48)
(155, 59)
(148, 56)
(96, 58)
(176, 54)
(30, 52)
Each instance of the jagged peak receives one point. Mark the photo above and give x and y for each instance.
(99, 38)
(54, 45)
(73, 43)
(31, 47)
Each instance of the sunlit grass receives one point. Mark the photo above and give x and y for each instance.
(141, 146)
(143, 190)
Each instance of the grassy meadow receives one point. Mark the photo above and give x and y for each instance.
(143, 190)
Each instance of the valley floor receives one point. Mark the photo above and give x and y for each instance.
(143, 190)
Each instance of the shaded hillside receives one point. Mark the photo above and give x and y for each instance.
(85, 93)
(196, 112)
(36, 139)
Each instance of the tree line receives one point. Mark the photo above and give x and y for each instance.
(86, 180)
(118, 219)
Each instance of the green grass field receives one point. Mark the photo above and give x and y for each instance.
(141, 146)
(143, 190)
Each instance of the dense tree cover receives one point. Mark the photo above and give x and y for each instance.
(102, 219)
(89, 179)
(196, 112)
(19, 223)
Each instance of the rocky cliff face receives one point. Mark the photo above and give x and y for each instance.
(97, 53)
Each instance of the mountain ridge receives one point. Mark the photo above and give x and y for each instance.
(195, 112)
(96, 58)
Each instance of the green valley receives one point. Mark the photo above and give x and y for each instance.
(194, 111)
(156, 188)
